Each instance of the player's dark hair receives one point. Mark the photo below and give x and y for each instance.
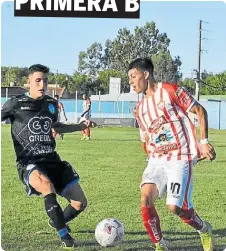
(57, 96)
(38, 68)
(143, 64)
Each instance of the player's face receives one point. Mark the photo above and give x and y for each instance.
(38, 82)
(138, 80)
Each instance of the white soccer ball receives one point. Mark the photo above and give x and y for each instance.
(109, 232)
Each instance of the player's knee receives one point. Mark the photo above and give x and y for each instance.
(174, 209)
(147, 201)
(79, 205)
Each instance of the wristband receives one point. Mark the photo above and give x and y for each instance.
(204, 141)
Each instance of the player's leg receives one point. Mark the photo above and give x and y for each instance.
(179, 200)
(87, 130)
(87, 133)
(68, 187)
(42, 184)
(78, 202)
(83, 131)
(153, 186)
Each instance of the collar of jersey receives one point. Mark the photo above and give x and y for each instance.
(28, 95)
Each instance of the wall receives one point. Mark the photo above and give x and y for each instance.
(124, 109)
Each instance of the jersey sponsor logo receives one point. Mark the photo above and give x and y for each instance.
(156, 124)
(164, 137)
(153, 224)
(40, 128)
(25, 108)
(52, 108)
(161, 105)
(166, 148)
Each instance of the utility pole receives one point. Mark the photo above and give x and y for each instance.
(199, 62)
(56, 83)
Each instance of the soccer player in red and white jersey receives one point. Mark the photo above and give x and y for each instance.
(86, 115)
(60, 112)
(174, 150)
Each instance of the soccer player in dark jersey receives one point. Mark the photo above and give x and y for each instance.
(40, 168)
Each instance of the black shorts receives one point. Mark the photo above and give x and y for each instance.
(60, 173)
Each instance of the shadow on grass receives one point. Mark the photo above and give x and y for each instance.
(218, 232)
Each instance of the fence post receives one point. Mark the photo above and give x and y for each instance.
(76, 106)
(6, 93)
(99, 105)
(219, 115)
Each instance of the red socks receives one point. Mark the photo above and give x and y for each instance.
(152, 223)
(191, 218)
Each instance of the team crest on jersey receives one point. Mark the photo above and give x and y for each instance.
(161, 105)
(52, 108)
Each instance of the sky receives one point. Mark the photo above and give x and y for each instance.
(56, 42)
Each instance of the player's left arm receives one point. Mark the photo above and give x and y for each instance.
(64, 128)
(188, 104)
(206, 148)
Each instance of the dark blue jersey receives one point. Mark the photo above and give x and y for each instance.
(31, 123)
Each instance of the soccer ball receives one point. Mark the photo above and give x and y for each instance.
(109, 232)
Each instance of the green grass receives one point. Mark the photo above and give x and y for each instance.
(110, 167)
(213, 97)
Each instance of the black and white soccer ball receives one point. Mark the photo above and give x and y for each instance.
(109, 232)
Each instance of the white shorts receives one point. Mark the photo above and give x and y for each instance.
(173, 177)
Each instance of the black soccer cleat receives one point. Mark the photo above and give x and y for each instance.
(68, 242)
(50, 223)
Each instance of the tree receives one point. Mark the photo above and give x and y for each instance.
(10, 75)
(189, 83)
(91, 61)
(214, 84)
(165, 68)
(116, 54)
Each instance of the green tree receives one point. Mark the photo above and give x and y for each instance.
(189, 83)
(145, 41)
(91, 61)
(214, 84)
(165, 68)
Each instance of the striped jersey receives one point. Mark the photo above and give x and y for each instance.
(165, 125)
(87, 105)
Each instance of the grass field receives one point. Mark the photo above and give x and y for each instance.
(110, 167)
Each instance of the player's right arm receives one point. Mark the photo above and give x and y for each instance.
(7, 111)
(64, 128)
(142, 131)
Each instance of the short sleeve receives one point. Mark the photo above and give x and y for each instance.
(183, 98)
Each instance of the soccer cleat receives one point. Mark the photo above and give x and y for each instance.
(207, 238)
(68, 242)
(87, 138)
(161, 246)
(50, 223)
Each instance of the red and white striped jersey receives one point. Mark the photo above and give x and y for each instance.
(163, 120)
